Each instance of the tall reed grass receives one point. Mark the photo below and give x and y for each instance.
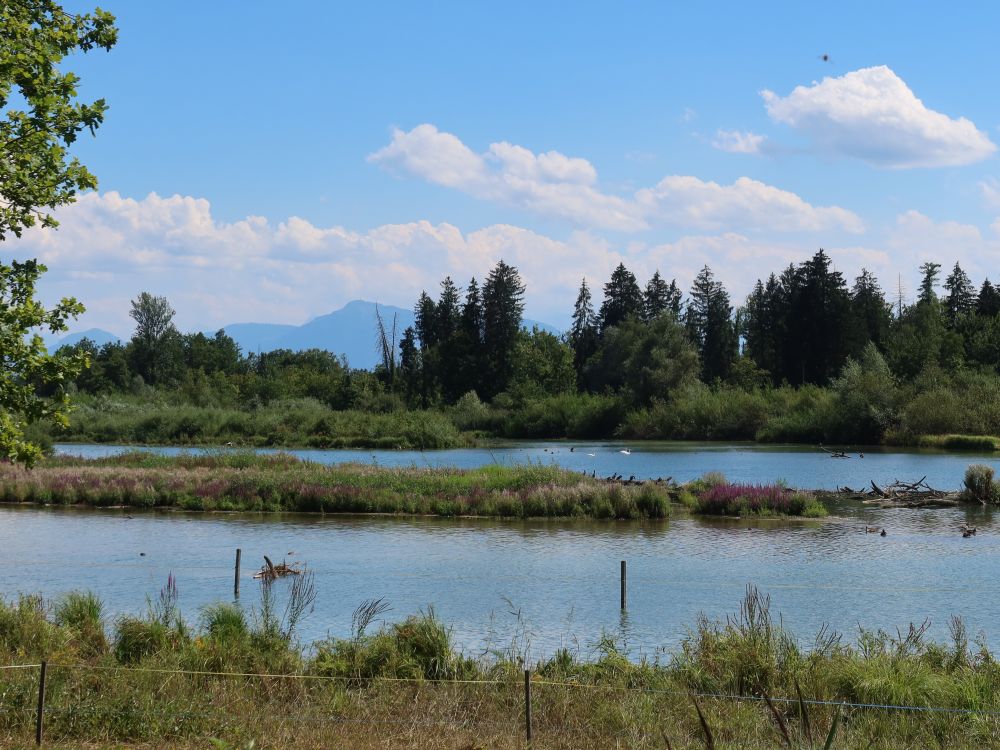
(405, 684)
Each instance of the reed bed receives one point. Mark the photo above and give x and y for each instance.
(249, 482)
(236, 678)
(725, 499)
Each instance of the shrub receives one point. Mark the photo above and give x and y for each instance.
(980, 484)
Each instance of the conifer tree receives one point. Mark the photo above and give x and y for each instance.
(961, 299)
(409, 365)
(470, 341)
(872, 313)
(988, 301)
(583, 332)
(710, 325)
(622, 298)
(657, 297)
(930, 272)
(503, 306)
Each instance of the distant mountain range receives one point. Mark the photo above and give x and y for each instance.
(349, 331)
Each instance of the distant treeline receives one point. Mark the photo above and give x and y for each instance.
(805, 358)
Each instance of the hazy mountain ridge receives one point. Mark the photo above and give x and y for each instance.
(349, 331)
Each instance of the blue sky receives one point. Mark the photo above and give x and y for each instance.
(270, 163)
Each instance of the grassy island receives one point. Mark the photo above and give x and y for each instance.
(241, 481)
(249, 482)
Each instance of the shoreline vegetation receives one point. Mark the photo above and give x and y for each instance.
(244, 481)
(237, 677)
(805, 416)
(805, 359)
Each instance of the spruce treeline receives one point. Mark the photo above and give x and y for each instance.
(808, 356)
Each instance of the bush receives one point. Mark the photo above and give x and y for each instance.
(980, 484)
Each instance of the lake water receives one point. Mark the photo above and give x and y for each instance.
(800, 466)
(560, 576)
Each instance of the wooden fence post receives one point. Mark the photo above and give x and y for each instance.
(236, 579)
(40, 716)
(527, 703)
(624, 583)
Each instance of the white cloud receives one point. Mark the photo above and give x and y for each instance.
(737, 142)
(748, 204)
(556, 185)
(917, 238)
(990, 192)
(109, 248)
(871, 114)
(550, 184)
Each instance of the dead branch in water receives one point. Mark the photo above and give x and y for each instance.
(270, 571)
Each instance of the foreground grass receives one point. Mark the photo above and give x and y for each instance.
(144, 682)
(250, 482)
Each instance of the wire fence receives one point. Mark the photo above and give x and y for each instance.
(55, 702)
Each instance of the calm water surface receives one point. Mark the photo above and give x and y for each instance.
(800, 466)
(561, 576)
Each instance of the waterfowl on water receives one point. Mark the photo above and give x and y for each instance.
(871, 529)
(626, 452)
(882, 533)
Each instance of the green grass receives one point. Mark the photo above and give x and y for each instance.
(405, 684)
(294, 423)
(960, 442)
(247, 482)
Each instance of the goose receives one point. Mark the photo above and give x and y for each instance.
(626, 452)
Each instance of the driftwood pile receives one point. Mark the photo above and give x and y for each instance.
(911, 494)
(270, 571)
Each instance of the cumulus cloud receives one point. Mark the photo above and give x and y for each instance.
(109, 248)
(738, 142)
(556, 185)
(550, 183)
(917, 238)
(752, 205)
(871, 114)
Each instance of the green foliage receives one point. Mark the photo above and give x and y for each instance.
(643, 360)
(33, 383)
(420, 647)
(409, 674)
(81, 612)
(38, 173)
(543, 366)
